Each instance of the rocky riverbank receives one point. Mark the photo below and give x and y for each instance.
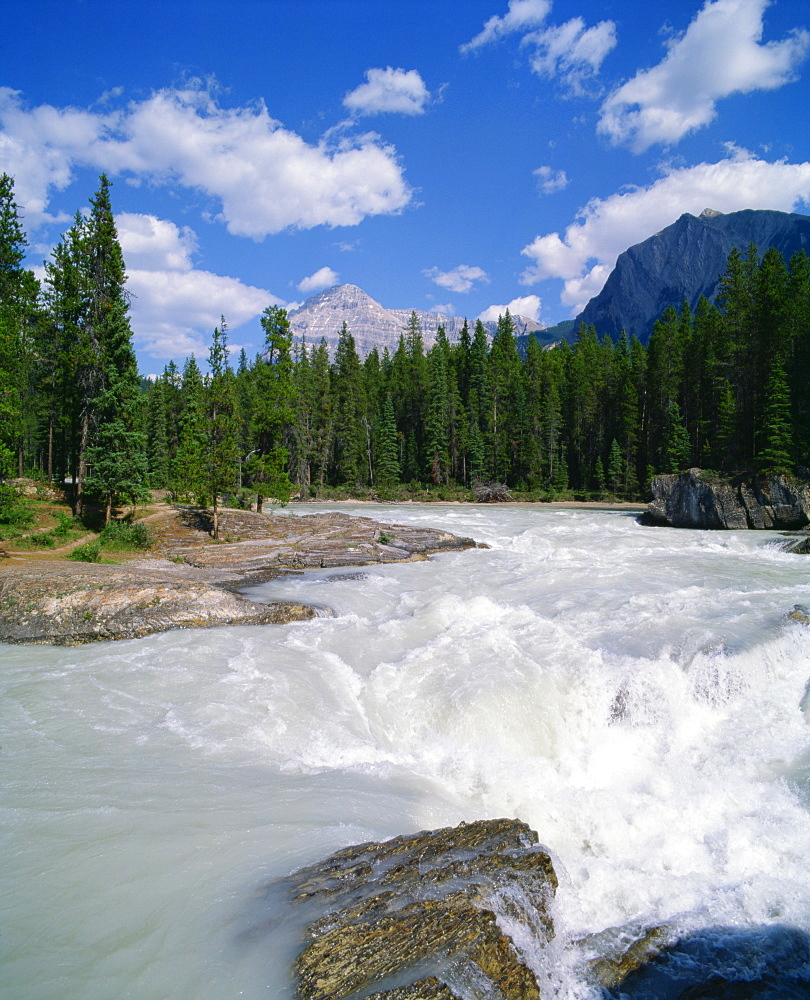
(189, 581)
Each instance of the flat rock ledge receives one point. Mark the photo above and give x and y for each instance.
(432, 917)
(190, 581)
(698, 499)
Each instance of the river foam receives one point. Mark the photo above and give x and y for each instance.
(635, 694)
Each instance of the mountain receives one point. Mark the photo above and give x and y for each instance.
(685, 261)
(371, 324)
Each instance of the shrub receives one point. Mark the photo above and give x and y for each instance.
(124, 535)
(89, 552)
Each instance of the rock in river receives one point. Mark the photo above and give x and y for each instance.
(417, 917)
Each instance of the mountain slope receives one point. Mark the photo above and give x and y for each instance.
(685, 261)
(371, 324)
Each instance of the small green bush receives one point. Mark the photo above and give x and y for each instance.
(122, 536)
(89, 552)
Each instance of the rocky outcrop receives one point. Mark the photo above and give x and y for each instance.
(418, 915)
(67, 604)
(684, 261)
(432, 917)
(695, 499)
(190, 581)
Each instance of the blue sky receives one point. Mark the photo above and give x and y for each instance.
(456, 156)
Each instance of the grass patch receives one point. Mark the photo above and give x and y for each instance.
(125, 536)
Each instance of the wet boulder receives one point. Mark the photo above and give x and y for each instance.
(422, 917)
(698, 499)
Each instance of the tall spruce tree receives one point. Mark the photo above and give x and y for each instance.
(223, 422)
(13, 348)
(273, 402)
(117, 454)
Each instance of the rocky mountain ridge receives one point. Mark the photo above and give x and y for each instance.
(371, 324)
(685, 261)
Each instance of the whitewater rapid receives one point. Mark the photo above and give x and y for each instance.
(637, 695)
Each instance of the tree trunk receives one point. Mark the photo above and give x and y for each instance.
(259, 502)
(82, 467)
(50, 448)
(216, 520)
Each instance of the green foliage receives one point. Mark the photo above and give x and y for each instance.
(124, 536)
(89, 552)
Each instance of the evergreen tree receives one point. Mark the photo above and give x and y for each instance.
(388, 470)
(157, 437)
(774, 456)
(273, 402)
(223, 423)
(437, 437)
(351, 426)
(13, 348)
(677, 446)
(189, 481)
(118, 452)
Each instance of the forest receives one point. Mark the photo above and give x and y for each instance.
(726, 388)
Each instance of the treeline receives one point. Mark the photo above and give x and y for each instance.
(727, 388)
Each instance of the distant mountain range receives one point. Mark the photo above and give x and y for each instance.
(372, 325)
(683, 261)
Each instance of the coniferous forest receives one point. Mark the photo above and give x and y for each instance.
(724, 388)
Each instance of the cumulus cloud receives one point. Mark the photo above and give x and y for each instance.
(459, 279)
(572, 53)
(324, 277)
(521, 16)
(265, 178)
(446, 309)
(526, 305)
(586, 253)
(392, 91)
(719, 54)
(175, 306)
(549, 180)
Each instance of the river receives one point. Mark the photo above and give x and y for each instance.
(635, 694)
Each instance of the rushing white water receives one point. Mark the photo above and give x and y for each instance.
(635, 694)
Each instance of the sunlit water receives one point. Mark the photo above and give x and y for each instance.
(635, 694)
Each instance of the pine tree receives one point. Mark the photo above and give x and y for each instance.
(388, 471)
(677, 446)
(157, 436)
(437, 437)
(223, 422)
(351, 427)
(273, 402)
(776, 435)
(118, 452)
(188, 481)
(19, 292)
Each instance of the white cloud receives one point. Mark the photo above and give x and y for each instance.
(153, 244)
(549, 180)
(571, 52)
(459, 279)
(389, 90)
(526, 305)
(521, 16)
(265, 177)
(324, 277)
(175, 306)
(718, 55)
(448, 309)
(587, 252)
